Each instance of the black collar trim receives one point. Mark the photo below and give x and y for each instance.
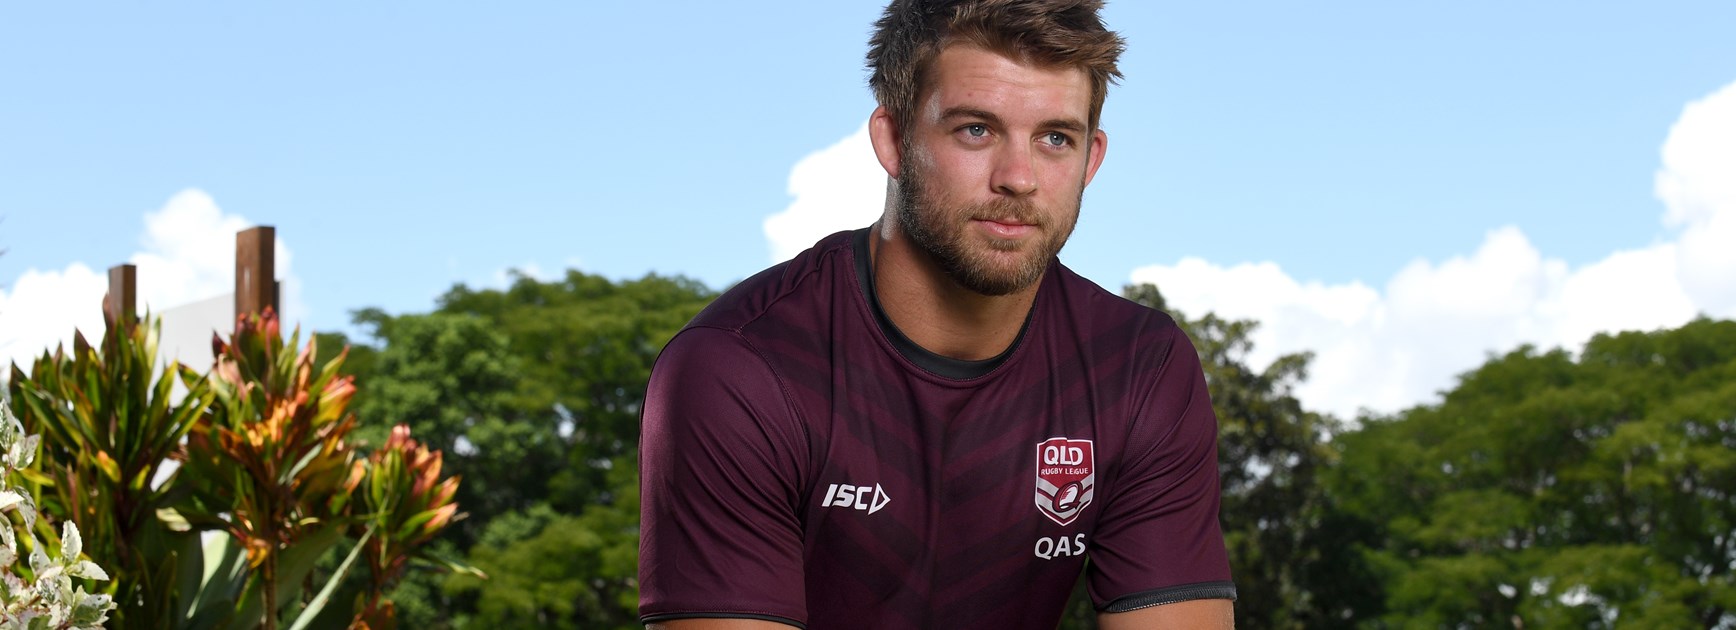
(948, 367)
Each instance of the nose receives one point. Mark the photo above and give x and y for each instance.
(1014, 175)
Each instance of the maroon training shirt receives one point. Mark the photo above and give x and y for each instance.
(803, 462)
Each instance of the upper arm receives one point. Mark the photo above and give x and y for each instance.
(1158, 539)
(721, 475)
(1195, 614)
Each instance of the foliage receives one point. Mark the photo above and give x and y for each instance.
(452, 378)
(1271, 453)
(1546, 489)
(407, 505)
(268, 461)
(357, 360)
(593, 586)
(111, 431)
(1558, 492)
(533, 393)
(585, 346)
(45, 597)
(265, 460)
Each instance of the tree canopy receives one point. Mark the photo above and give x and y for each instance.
(533, 393)
(1547, 488)
(1558, 491)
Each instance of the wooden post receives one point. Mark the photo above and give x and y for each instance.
(121, 302)
(255, 270)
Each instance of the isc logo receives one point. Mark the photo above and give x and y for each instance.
(856, 497)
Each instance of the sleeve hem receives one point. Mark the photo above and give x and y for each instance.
(1171, 595)
(659, 617)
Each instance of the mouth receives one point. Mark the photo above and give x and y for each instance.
(1005, 228)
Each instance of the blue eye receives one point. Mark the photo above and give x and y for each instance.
(1057, 139)
(976, 131)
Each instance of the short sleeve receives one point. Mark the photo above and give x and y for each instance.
(1158, 540)
(721, 458)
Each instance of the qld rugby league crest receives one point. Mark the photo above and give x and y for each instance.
(1066, 478)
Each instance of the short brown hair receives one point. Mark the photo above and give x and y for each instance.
(912, 33)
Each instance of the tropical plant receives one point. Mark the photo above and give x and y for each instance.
(269, 462)
(111, 431)
(258, 449)
(407, 506)
(533, 392)
(48, 599)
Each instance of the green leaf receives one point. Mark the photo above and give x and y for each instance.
(173, 519)
(452, 565)
(210, 578)
(9, 498)
(408, 529)
(319, 601)
(293, 565)
(88, 570)
(71, 545)
(289, 475)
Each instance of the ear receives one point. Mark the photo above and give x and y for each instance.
(883, 133)
(1099, 144)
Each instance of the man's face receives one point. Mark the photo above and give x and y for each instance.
(994, 166)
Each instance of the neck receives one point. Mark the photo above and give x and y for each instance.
(933, 310)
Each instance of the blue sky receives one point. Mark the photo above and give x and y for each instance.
(1359, 148)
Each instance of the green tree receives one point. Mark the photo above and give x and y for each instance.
(593, 586)
(1552, 491)
(452, 378)
(534, 393)
(1271, 453)
(586, 346)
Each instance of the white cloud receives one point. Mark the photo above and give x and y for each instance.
(41, 308)
(841, 187)
(1698, 185)
(1388, 349)
(187, 254)
(1397, 347)
(188, 251)
(503, 278)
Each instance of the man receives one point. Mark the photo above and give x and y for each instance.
(932, 423)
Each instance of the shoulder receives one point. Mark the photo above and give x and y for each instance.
(738, 348)
(785, 288)
(1108, 320)
(714, 396)
(1145, 351)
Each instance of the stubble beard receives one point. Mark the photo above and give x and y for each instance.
(940, 231)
